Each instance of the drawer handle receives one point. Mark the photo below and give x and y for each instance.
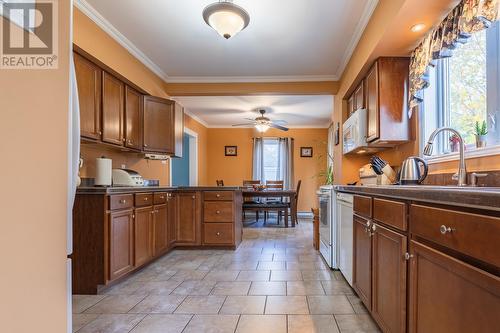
(217, 212)
(193, 197)
(146, 199)
(218, 195)
(444, 229)
(123, 201)
(162, 197)
(218, 233)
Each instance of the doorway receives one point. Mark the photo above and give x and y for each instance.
(184, 170)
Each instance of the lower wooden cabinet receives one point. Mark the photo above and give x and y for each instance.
(160, 218)
(171, 220)
(389, 267)
(121, 243)
(143, 235)
(448, 295)
(362, 260)
(188, 221)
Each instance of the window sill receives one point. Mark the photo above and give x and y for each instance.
(475, 153)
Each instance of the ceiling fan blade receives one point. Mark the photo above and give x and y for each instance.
(278, 127)
(280, 122)
(245, 124)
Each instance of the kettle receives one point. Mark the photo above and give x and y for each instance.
(410, 173)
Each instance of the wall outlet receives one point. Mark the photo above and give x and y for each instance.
(124, 166)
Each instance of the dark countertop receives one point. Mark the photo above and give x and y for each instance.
(141, 189)
(474, 197)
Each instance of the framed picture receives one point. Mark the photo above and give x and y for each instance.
(231, 150)
(306, 152)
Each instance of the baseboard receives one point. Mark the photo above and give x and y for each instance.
(305, 215)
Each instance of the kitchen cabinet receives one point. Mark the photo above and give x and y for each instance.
(172, 219)
(178, 129)
(359, 96)
(133, 118)
(188, 220)
(160, 218)
(88, 78)
(362, 260)
(386, 102)
(113, 94)
(121, 243)
(159, 120)
(350, 106)
(143, 235)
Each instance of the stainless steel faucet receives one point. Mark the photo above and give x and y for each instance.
(461, 175)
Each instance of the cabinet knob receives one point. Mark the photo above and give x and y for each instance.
(123, 201)
(445, 230)
(218, 195)
(217, 212)
(218, 233)
(123, 140)
(145, 145)
(408, 256)
(162, 197)
(193, 197)
(145, 198)
(367, 224)
(99, 132)
(133, 216)
(152, 212)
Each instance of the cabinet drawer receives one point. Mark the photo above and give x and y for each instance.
(160, 198)
(389, 212)
(218, 233)
(143, 199)
(121, 201)
(362, 206)
(218, 196)
(471, 234)
(218, 211)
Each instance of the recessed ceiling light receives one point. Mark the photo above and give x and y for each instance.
(226, 18)
(417, 27)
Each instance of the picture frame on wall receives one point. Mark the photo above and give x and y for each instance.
(231, 150)
(306, 152)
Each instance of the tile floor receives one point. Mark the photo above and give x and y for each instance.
(274, 282)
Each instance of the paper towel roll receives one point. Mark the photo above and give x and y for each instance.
(103, 167)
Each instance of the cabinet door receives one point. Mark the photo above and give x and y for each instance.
(160, 229)
(362, 260)
(171, 219)
(113, 92)
(88, 78)
(121, 243)
(159, 125)
(143, 235)
(389, 279)
(372, 104)
(359, 96)
(188, 218)
(350, 106)
(133, 118)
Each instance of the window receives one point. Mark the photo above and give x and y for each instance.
(271, 159)
(464, 89)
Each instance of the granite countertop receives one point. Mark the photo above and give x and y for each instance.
(140, 189)
(474, 197)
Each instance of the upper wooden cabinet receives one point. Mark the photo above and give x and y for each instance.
(113, 111)
(133, 118)
(178, 129)
(387, 102)
(159, 120)
(88, 78)
(359, 96)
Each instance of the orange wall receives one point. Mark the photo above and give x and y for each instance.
(202, 132)
(233, 170)
(33, 145)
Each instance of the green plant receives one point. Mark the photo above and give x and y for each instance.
(481, 129)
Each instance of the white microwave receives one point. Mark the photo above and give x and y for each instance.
(354, 132)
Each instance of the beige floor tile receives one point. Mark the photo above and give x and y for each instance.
(286, 276)
(112, 323)
(244, 305)
(201, 305)
(272, 288)
(261, 324)
(158, 287)
(83, 302)
(357, 323)
(303, 288)
(116, 304)
(82, 319)
(158, 304)
(357, 304)
(221, 276)
(236, 266)
(337, 304)
(164, 323)
(188, 275)
(212, 324)
(194, 288)
(231, 288)
(317, 275)
(337, 287)
(286, 305)
(254, 276)
(312, 324)
(271, 265)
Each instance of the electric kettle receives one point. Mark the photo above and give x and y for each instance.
(411, 173)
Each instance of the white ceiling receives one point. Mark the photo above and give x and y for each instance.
(286, 39)
(224, 111)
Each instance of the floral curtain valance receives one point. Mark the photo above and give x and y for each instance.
(467, 17)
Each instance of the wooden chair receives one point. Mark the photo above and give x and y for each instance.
(254, 200)
(296, 201)
(280, 208)
(220, 183)
(315, 212)
(274, 185)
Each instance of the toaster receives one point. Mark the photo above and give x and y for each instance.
(127, 177)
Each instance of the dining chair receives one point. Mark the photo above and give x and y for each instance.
(220, 183)
(295, 198)
(274, 185)
(252, 200)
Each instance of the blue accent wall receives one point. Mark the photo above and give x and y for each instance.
(180, 166)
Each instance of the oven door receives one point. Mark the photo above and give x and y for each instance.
(325, 231)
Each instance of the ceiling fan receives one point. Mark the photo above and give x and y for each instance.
(263, 123)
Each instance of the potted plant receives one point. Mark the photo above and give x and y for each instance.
(454, 143)
(480, 131)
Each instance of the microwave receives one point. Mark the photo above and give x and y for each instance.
(354, 132)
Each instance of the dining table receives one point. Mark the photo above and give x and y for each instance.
(274, 193)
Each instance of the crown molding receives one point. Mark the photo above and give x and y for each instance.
(252, 79)
(195, 117)
(358, 32)
(288, 126)
(105, 25)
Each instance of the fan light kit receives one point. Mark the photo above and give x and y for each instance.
(263, 123)
(226, 18)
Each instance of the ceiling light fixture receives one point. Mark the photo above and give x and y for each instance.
(417, 27)
(262, 127)
(226, 18)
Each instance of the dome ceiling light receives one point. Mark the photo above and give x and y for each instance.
(226, 18)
